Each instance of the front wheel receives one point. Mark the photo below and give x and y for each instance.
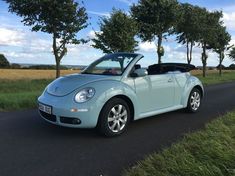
(114, 117)
(194, 100)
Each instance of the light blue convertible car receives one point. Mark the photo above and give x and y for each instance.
(115, 90)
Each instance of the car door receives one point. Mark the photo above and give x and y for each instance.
(162, 91)
(143, 93)
(180, 82)
(155, 92)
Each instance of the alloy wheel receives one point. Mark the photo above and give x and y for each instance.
(117, 118)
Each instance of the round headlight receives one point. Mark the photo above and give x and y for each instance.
(84, 95)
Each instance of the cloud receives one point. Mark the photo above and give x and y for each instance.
(229, 8)
(81, 54)
(105, 14)
(91, 34)
(229, 20)
(128, 2)
(147, 46)
(11, 37)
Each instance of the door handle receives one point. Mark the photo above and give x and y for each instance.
(170, 80)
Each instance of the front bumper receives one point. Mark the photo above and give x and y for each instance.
(66, 112)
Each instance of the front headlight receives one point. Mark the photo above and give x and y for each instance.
(84, 95)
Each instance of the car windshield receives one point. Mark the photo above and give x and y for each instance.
(111, 64)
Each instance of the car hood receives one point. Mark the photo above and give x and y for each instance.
(67, 84)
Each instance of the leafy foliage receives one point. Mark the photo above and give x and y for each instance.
(61, 18)
(209, 22)
(232, 54)
(155, 19)
(4, 62)
(221, 44)
(117, 33)
(187, 27)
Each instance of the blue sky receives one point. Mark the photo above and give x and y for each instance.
(20, 45)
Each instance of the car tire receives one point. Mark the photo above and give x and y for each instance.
(194, 101)
(114, 117)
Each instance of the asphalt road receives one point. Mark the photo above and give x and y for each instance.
(31, 147)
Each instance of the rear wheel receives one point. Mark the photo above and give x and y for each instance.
(114, 117)
(194, 100)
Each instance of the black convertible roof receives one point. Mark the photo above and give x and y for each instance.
(166, 67)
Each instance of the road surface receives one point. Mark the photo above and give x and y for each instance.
(29, 146)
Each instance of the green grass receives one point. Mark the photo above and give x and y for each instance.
(209, 152)
(215, 78)
(20, 94)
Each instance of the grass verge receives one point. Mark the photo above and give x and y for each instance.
(20, 94)
(209, 152)
(215, 78)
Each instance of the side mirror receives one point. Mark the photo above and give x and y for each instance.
(141, 72)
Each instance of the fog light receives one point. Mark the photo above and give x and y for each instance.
(76, 121)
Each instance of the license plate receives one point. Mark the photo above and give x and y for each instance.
(44, 108)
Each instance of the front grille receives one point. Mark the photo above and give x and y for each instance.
(49, 117)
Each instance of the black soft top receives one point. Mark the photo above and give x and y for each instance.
(167, 67)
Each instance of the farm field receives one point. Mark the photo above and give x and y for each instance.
(19, 74)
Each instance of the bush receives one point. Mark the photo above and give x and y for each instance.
(4, 62)
(46, 67)
(232, 67)
(15, 66)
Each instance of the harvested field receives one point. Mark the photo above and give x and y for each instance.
(19, 74)
(22, 74)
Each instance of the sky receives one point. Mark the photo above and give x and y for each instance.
(20, 45)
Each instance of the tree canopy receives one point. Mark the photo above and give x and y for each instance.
(61, 18)
(209, 22)
(232, 54)
(187, 27)
(155, 18)
(221, 44)
(117, 33)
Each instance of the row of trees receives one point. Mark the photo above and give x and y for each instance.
(157, 19)
(150, 20)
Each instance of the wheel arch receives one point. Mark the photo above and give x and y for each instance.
(200, 89)
(127, 100)
(130, 104)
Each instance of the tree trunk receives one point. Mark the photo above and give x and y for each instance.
(57, 68)
(191, 52)
(187, 46)
(221, 58)
(204, 58)
(57, 59)
(159, 44)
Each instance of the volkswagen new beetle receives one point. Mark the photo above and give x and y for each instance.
(115, 90)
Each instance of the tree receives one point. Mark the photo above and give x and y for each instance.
(187, 27)
(232, 54)
(209, 22)
(117, 33)
(232, 67)
(155, 19)
(4, 62)
(221, 44)
(61, 18)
